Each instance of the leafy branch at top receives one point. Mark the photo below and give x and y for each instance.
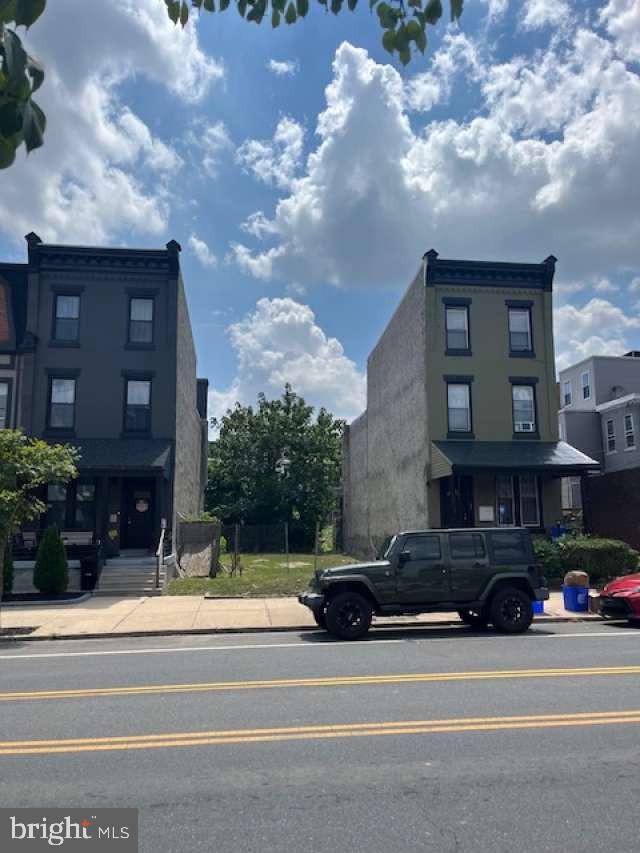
(21, 119)
(403, 24)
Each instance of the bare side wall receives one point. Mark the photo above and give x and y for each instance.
(355, 491)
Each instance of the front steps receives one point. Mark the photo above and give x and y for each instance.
(133, 573)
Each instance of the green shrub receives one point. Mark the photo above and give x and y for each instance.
(601, 559)
(7, 575)
(550, 559)
(51, 572)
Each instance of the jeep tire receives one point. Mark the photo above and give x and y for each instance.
(348, 616)
(474, 618)
(511, 610)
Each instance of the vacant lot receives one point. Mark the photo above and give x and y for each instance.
(262, 575)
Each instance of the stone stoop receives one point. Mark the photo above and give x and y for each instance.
(130, 575)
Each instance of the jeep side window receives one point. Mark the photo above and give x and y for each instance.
(509, 546)
(466, 546)
(423, 547)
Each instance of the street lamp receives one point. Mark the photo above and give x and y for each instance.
(282, 469)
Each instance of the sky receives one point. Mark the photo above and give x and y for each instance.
(305, 172)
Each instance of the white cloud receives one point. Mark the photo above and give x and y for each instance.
(258, 225)
(598, 328)
(283, 68)
(281, 342)
(375, 193)
(634, 284)
(274, 161)
(259, 266)
(603, 285)
(542, 13)
(622, 20)
(458, 53)
(202, 252)
(102, 170)
(210, 141)
(496, 8)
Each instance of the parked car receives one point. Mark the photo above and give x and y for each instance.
(487, 575)
(620, 599)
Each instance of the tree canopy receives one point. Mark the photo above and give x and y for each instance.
(275, 463)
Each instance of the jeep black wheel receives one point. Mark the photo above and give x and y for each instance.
(474, 618)
(348, 616)
(511, 610)
(321, 618)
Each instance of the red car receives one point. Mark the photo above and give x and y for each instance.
(620, 599)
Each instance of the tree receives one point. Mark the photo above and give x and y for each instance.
(51, 572)
(275, 464)
(21, 119)
(401, 24)
(26, 464)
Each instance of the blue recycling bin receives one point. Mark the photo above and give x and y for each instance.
(538, 607)
(576, 598)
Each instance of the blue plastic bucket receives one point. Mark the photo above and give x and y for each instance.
(576, 598)
(538, 607)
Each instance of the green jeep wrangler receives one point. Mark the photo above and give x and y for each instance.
(488, 575)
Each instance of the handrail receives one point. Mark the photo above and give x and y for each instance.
(160, 556)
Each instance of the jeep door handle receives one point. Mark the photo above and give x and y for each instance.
(477, 565)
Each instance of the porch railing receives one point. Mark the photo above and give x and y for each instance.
(160, 556)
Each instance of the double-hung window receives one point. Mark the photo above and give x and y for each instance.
(517, 500)
(529, 508)
(585, 381)
(611, 436)
(629, 432)
(4, 405)
(520, 330)
(457, 325)
(505, 500)
(141, 320)
(459, 407)
(524, 408)
(62, 403)
(66, 321)
(137, 412)
(567, 393)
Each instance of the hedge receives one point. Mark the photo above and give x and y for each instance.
(51, 571)
(601, 559)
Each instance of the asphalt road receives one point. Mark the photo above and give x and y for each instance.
(423, 740)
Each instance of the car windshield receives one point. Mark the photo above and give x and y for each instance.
(385, 549)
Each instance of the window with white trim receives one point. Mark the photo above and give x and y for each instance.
(611, 437)
(459, 407)
(529, 505)
(520, 330)
(524, 408)
(66, 326)
(567, 393)
(62, 402)
(629, 432)
(585, 381)
(457, 324)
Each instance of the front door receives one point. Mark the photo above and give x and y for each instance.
(456, 501)
(138, 498)
(423, 575)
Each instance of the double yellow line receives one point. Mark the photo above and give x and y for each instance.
(291, 733)
(336, 681)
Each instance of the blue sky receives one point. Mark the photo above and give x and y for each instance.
(305, 173)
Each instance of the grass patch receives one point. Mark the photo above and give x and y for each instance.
(263, 575)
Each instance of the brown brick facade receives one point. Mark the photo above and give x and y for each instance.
(612, 505)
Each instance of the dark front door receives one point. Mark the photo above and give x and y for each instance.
(456, 501)
(138, 498)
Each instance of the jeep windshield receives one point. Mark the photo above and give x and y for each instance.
(385, 548)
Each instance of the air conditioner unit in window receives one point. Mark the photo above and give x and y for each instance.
(526, 426)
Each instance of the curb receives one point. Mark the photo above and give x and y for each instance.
(444, 623)
(65, 602)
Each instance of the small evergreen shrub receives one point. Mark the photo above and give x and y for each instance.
(7, 575)
(601, 559)
(51, 572)
(550, 559)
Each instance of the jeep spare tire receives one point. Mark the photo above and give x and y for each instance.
(511, 610)
(348, 616)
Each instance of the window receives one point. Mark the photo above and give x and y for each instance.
(423, 547)
(524, 408)
(137, 417)
(529, 509)
(505, 501)
(466, 546)
(84, 511)
(459, 407)
(585, 381)
(457, 323)
(62, 400)
(520, 330)
(567, 393)
(4, 405)
(629, 432)
(140, 321)
(509, 546)
(66, 325)
(571, 493)
(57, 505)
(611, 437)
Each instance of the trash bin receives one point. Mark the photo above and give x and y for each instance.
(576, 598)
(538, 607)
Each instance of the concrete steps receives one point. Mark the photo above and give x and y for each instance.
(130, 574)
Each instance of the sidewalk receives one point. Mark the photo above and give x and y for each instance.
(118, 617)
